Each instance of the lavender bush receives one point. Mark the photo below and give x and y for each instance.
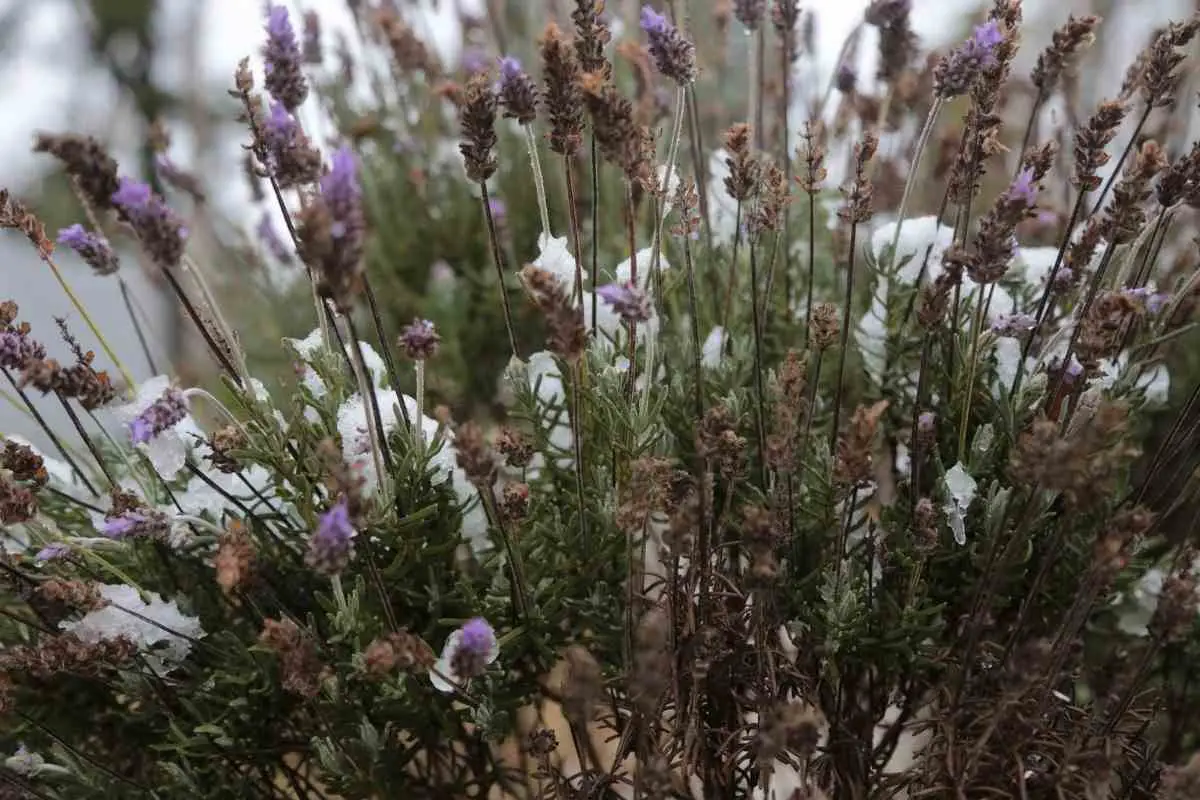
(848, 459)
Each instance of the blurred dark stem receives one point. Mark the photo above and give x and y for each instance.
(759, 392)
(845, 341)
(87, 440)
(595, 230)
(498, 260)
(731, 279)
(137, 326)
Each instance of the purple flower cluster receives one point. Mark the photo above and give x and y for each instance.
(1147, 299)
(94, 249)
(955, 74)
(136, 525)
(1024, 189)
(159, 229)
(476, 649)
(517, 92)
(18, 348)
(282, 60)
(165, 412)
(289, 154)
(673, 54)
(332, 544)
(627, 301)
(52, 552)
(420, 340)
(332, 230)
(1014, 325)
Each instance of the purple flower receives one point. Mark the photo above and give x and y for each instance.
(420, 340)
(267, 234)
(1014, 325)
(342, 194)
(673, 54)
(332, 545)
(52, 552)
(159, 229)
(1073, 369)
(280, 129)
(473, 60)
(94, 249)
(926, 422)
(627, 300)
(955, 73)
(1150, 301)
(476, 649)
(18, 348)
(136, 525)
(165, 412)
(1024, 189)
(282, 60)
(517, 92)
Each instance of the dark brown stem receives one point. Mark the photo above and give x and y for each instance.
(217, 351)
(87, 440)
(595, 232)
(137, 326)
(845, 340)
(373, 400)
(498, 260)
(389, 360)
(731, 280)
(573, 216)
(759, 392)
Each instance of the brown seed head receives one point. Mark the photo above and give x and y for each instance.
(563, 101)
(478, 121)
(1076, 34)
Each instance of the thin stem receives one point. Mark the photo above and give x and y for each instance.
(385, 346)
(969, 390)
(87, 440)
(845, 340)
(1040, 316)
(1028, 136)
(217, 351)
(694, 324)
(573, 216)
(595, 233)
(418, 429)
(137, 326)
(1081, 318)
(731, 281)
(697, 148)
(226, 330)
(759, 393)
(87, 318)
(498, 259)
(1116, 170)
(911, 181)
(577, 442)
(539, 182)
(375, 429)
(672, 151)
(812, 264)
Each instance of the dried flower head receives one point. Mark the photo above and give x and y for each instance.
(1091, 141)
(478, 120)
(518, 92)
(234, 558)
(567, 333)
(673, 54)
(592, 36)
(475, 456)
(1126, 215)
(958, 71)
(166, 412)
(87, 162)
(1074, 35)
(629, 302)
(618, 135)
(300, 664)
(563, 99)
(290, 156)
(420, 340)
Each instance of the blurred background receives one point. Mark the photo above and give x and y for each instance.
(112, 68)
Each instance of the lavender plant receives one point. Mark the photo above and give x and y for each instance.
(776, 473)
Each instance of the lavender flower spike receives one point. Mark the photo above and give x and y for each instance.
(165, 412)
(136, 525)
(332, 231)
(517, 92)
(332, 545)
(282, 60)
(160, 230)
(475, 649)
(628, 301)
(955, 73)
(420, 340)
(94, 249)
(673, 54)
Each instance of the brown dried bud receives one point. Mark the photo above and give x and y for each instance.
(717, 440)
(826, 326)
(567, 334)
(235, 557)
(563, 99)
(397, 651)
(300, 665)
(853, 463)
(475, 457)
(745, 168)
(478, 120)
(1091, 141)
(222, 443)
(85, 160)
(514, 502)
(1067, 41)
(516, 449)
